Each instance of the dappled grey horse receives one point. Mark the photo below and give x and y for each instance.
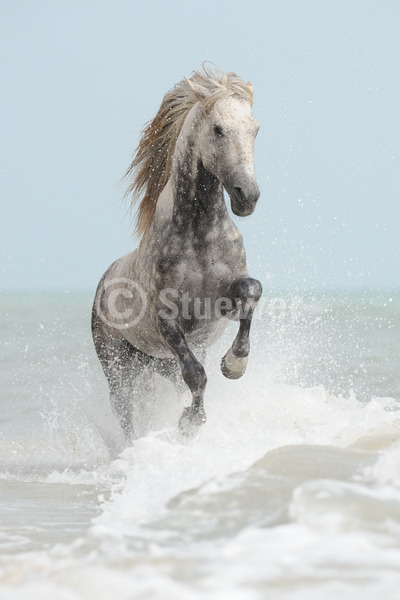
(161, 305)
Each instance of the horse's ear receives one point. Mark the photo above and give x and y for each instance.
(250, 86)
(199, 90)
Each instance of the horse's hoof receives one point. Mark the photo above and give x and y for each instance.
(191, 420)
(233, 366)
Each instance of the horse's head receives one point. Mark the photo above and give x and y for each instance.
(227, 134)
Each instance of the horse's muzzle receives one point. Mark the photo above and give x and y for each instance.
(244, 202)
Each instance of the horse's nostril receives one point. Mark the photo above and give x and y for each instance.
(240, 194)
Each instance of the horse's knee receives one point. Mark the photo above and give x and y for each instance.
(246, 289)
(251, 289)
(247, 293)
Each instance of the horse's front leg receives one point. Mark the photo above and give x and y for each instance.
(193, 373)
(244, 294)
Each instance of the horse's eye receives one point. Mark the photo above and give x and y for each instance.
(218, 130)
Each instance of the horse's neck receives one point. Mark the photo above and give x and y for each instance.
(198, 199)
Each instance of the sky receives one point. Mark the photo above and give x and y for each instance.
(80, 78)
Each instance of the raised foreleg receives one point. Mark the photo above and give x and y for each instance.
(193, 373)
(244, 294)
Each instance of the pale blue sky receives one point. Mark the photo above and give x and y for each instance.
(80, 78)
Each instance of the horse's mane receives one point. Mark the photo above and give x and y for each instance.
(151, 165)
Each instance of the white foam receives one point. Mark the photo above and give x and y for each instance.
(246, 419)
(323, 551)
(386, 470)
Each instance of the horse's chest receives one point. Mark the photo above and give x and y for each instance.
(192, 273)
(200, 267)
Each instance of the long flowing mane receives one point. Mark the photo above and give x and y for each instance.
(151, 166)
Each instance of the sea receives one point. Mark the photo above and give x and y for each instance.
(290, 491)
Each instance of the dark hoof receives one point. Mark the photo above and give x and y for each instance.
(191, 420)
(233, 366)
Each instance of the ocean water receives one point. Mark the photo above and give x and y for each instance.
(290, 491)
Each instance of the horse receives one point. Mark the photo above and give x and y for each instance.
(162, 305)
